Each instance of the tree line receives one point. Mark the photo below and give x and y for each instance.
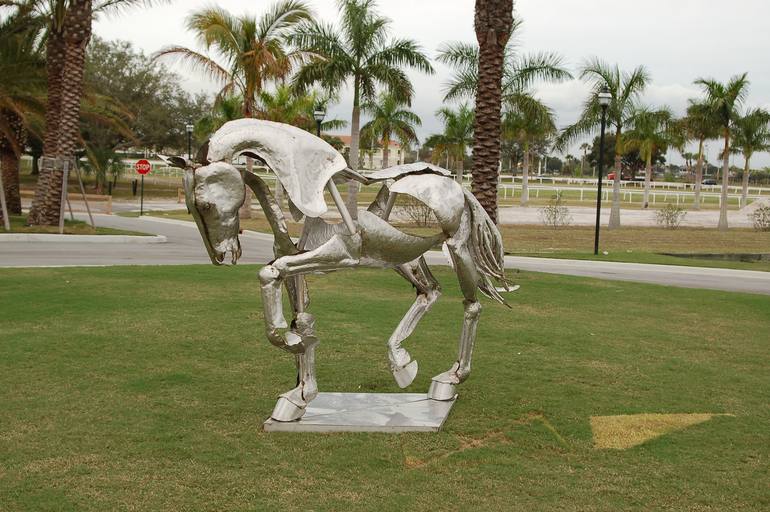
(282, 64)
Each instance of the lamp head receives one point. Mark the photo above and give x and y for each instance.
(605, 97)
(319, 113)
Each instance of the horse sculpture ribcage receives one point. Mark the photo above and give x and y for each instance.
(215, 192)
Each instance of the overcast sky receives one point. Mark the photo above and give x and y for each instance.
(677, 40)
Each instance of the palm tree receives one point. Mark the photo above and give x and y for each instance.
(287, 105)
(722, 102)
(457, 137)
(358, 51)
(700, 125)
(520, 72)
(752, 134)
(493, 72)
(624, 89)
(69, 31)
(650, 132)
(248, 53)
(224, 109)
(390, 118)
(22, 97)
(527, 120)
(584, 147)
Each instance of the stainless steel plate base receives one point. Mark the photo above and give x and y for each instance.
(368, 412)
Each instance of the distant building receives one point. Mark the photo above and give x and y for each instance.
(372, 159)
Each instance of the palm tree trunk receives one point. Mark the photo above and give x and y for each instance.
(615, 209)
(698, 176)
(460, 168)
(725, 183)
(525, 176)
(647, 179)
(583, 165)
(244, 212)
(9, 161)
(355, 135)
(55, 55)
(46, 206)
(493, 22)
(745, 189)
(385, 151)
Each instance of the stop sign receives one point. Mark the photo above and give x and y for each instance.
(143, 167)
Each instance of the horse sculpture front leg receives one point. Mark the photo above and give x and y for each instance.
(341, 251)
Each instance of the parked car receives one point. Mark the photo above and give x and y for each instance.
(709, 181)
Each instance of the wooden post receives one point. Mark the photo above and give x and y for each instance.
(63, 196)
(3, 206)
(83, 193)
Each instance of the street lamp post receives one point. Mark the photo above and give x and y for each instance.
(319, 113)
(189, 129)
(604, 101)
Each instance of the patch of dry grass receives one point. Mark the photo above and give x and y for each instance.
(626, 431)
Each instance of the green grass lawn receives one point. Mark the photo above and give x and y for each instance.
(71, 227)
(145, 388)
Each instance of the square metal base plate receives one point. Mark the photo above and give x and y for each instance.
(368, 412)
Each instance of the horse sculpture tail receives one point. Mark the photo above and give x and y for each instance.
(486, 245)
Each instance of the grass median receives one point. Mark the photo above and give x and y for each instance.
(71, 227)
(145, 388)
(627, 244)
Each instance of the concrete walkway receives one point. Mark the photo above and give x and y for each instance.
(184, 246)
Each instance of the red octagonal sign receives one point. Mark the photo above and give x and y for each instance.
(143, 167)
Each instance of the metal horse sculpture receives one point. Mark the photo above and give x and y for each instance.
(307, 166)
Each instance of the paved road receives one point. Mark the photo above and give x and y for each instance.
(185, 247)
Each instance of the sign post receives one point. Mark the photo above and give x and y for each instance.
(142, 167)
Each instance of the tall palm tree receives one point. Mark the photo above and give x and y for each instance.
(360, 51)
(527, 120)
(248, 53)
(752, 135)
(492, 71)
(69, 31)
(457, 137)
(624, 89)
(22, 96)
(493, 24)
(699, 124)
(723, 101)
(584, 147)
(651, 131)
(389, 118)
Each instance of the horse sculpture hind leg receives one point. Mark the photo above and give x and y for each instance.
(477, 255)
(402, 365)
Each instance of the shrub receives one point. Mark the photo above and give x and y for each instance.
(555, 214)
(416, 211)
(670, 216)
(761, 218)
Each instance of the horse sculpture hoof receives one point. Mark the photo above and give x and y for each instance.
(286, 410)
(442, 391)
(405, 375)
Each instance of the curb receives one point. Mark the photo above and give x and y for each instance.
(92, 239)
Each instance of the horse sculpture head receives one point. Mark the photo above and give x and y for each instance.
(214, 193)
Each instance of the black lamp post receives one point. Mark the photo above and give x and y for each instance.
(189, 129)
(319, 113)
(604, 101)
